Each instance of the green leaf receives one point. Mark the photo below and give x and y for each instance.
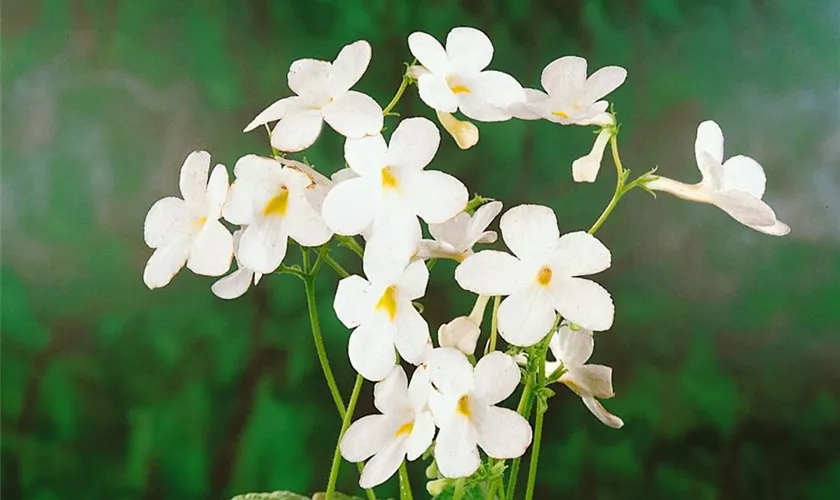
(275, 495)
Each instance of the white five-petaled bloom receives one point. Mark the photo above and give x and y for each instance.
(235, 284)
(323, 94)
(464, 409)
(542, 278)
(455, 238)
(455, 78)
(392, 188)
(571, 97)
(383, 317)
(735, 186)
(271, 201)
(572, 349)
(404, 429)
(188, 231)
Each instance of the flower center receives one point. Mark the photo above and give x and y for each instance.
(561, 114)
(404, 429)
(277, 205)
(388, 302)
(464, 406)
(456, 86)
(544, 276)
(199, 222)
(389, 181)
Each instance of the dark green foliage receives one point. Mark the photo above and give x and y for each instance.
(725, 346)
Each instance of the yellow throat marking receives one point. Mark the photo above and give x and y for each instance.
(561, 114)
(388, 302)
(279, 204)
(456, 86)
(544, 276)
(389, 181)
(404, 429)
(464, 406)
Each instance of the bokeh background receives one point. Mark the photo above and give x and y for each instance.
(726, 342)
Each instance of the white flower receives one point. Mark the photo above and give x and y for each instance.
(465, 411)
(392, 189)
(735, 186)
(271, 200)
(404, 429)
(465, 133)
(235, 284)
(455, 78)
(543, 278)
(572, 98)
(455, 238)
(572, 349)
(462, 332)
(585, 169)
(381, 312)
(188, 231)
(323, 94)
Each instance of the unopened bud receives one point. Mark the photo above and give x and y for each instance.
(586, 169)
(461, 333)
(464, 132)
(436, 487)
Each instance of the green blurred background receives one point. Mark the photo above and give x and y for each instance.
(726, 342)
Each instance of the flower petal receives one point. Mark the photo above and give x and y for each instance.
(597, 409)
(742, 173)
(390, 396)
(165, 263)
(745, 208)
(353, 302)
(580, 254)
(777, 229)
(526, 317)
(303, 224)
(469, 50)
(491, 272)
(492, 94)
(450, 371)
(365, 437)
(217, 192)
(421, 435)
(535, 106)
(354, 115)
(710, 140)
(277, 111)
(366, 155)
(429, 52)
(309, 78)
(453, 231)
(530, 231)
(572, 347)
(413, 144)
(583, 302)
(565, 78)
(349, 206)
(212, 250)
(412, 333)
(592, 380)
(297, 131)
(420, 386)
(371, 353)
(193, 181)
(167, 220)
(348, 67)
(263, 245)
(435, 196)
(435, 92)
(233, 285)
(385, 463)
(412, 284)
(481, 220)
(602, 82)
(502, 433)
(456, 453)
(496, 377)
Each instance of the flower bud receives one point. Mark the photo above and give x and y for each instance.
(461, 333)
(585, 169)
(432, 471)
(436, 487)
(464, 132)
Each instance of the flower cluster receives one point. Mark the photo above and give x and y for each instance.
(544, 298)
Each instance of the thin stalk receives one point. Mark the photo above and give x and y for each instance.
(494, 325)
(342, 273)
(459, 489)
(619, 186)
(400, 91)
(348, 415)
(405, 483)
(351, 243)
(535, 447)
(523, 409)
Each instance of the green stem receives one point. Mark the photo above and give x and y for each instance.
(523, 409)
(351, 243)
(459, 489)
(501, 483)
(312, 305)
(494, 325)
(535, 447)
(342, 273)
(619, 186)
(348, 415)
(405, 483)
(398, 95)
